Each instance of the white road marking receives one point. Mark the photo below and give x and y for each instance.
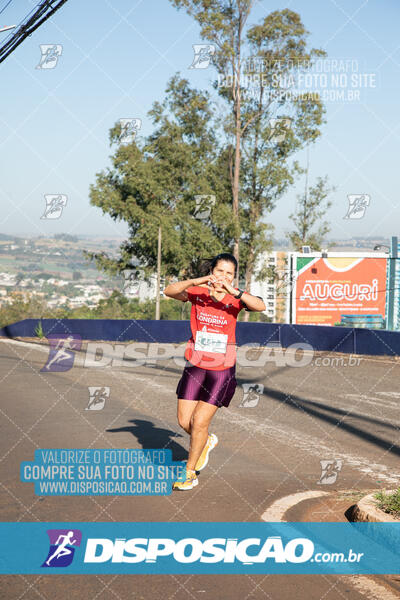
(78, 359)
(371, 589)
(307, 443)
(373, 400)
(149, 382)
(311, 445)
(349, 410)
(274, 514)
(31, 345)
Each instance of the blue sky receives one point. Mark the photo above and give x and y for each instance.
(116, 60)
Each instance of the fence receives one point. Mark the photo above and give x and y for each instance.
(350, 340)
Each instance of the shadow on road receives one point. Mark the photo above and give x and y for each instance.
(151, 437)
(319, 410)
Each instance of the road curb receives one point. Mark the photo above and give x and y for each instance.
(366, 510)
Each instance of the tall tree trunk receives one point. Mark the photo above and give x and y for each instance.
(249, 273)
(236, 167)
(236, 68)
(158, 275)
(255, 211)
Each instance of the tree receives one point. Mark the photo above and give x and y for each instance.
(222, 23)
(280, 123)
(245, 161)
(156, 181)
(259, 152)
(311, 207)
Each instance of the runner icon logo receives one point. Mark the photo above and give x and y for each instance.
(62, 547)
(129, 129)
(329, 471)
(251, 394)
(203, 54)
(358, 204)
(97, 397)
(61, 356)
(204, 204)
(55, 203)
(50, 53)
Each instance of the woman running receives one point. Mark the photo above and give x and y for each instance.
(208, 380)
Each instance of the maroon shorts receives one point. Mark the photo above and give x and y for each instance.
(214, 387)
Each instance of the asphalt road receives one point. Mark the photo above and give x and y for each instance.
(270, 447)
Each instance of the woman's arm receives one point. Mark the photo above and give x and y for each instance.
(253, 303)
(178, 290)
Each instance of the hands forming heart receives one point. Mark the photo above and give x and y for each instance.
(216, 283)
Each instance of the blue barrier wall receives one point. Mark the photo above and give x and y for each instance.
(334, 339)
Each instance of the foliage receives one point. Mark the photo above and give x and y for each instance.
(311, 208)
(114, 307)
(390, 503)
(260, 149)
(117, 306)
(154, 182)
(39, 330)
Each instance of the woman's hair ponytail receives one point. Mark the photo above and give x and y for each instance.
(205, 267)
(208, 264)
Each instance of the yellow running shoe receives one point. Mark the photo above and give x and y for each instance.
(212, 441)
(191, 481)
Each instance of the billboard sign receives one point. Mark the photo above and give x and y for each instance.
(339, 284)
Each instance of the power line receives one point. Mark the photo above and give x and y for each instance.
(43, 11)
(3, 9)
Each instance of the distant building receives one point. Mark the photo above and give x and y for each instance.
(77, 302)
(135, 286)
(273, 291)
(8, 279)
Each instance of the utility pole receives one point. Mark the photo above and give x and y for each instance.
(391, 281)
(158, 275)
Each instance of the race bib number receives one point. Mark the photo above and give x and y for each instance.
(211, 342)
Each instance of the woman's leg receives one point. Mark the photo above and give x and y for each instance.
(201, 418)
(185, 413)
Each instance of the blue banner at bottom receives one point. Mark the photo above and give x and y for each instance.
(200, 547)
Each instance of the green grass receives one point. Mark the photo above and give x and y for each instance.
(390, 503)
(39, 330)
